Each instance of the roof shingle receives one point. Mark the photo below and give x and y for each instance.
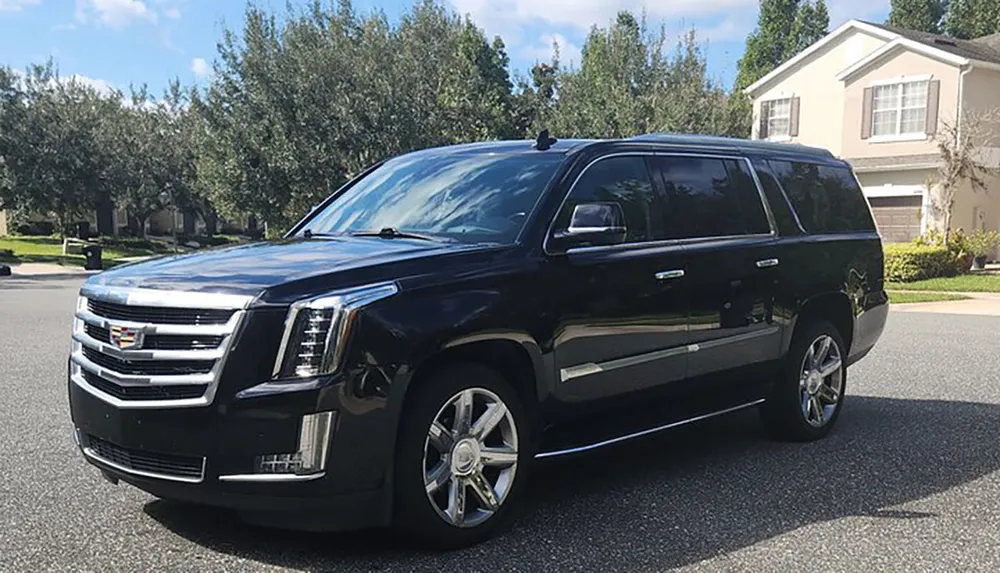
(983, 49)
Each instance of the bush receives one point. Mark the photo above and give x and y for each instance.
(907, 262)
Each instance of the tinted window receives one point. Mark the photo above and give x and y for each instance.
(826, 199)
(783, 217)
(622, 180)
(463, 196)
(709, 197)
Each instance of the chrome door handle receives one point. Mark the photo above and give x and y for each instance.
(765, 263)
(665, 275)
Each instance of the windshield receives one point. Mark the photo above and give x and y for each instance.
(469, 197)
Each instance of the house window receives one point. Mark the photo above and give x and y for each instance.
(899, 109)
(779, 118)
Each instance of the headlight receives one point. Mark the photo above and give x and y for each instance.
(316, 330)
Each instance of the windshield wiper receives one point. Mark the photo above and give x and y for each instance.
(309, 233)
(394, 233)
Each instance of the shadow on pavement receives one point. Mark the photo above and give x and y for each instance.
(671, 500)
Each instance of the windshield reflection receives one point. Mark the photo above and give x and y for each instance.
(462, 196)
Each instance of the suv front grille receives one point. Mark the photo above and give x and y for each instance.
(187, 468)
(161, 356)
(159, 315)
(160, 341)
(148, 367)
(171, 392)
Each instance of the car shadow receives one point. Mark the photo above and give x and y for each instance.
(670, 500)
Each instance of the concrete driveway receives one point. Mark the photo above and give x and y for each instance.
(909, 481)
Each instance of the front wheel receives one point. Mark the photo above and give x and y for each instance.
(462, 457)
(805, 402)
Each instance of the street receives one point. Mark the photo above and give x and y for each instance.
(908, 481)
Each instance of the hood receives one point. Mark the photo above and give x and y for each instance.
(252, 268)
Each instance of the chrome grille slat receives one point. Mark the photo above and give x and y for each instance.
(179, 349)
(151, 464)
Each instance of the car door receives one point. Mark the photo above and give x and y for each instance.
(715, 207)
(621, 310)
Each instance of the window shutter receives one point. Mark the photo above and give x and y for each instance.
(765, 107)
(866, 113)
(793, 118)
(933, 102)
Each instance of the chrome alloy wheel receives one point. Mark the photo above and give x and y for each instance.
(821, 381)
(470, 457)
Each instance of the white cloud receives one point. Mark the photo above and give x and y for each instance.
(172, 13)
(201, 68)
(542, 50)
(17, 5)
(114, 13)
(102, 87)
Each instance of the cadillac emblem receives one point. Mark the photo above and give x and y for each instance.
(126, 338)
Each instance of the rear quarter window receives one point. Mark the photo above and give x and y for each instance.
(827, 199)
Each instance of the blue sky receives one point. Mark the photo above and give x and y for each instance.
(118, 42)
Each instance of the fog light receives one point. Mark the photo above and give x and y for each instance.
(314, 441)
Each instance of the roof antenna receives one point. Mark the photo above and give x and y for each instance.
(544, 140)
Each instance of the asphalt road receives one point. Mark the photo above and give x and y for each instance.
(909, 480)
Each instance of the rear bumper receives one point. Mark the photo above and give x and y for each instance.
(204, 455)
(869, 325)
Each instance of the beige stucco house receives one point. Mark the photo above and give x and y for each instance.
(878, 97)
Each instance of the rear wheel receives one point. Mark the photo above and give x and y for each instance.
(462, 457)
(805, 402)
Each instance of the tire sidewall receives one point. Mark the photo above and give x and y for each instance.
(785, 404)
(413, 510)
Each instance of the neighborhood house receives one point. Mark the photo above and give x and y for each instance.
(876, 96)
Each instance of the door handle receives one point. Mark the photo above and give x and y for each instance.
(665, 275)
(765, 263)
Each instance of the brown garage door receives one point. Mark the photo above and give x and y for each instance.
(897, 218)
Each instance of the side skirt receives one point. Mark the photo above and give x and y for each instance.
(654, 430)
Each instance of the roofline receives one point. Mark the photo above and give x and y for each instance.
(898, 44)
(901, 167)
(849, 25)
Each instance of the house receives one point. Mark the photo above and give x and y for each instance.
(877, 96)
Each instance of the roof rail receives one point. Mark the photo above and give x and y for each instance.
(730, 143)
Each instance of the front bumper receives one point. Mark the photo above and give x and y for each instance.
(204, 455)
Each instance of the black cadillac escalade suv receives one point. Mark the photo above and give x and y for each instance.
(450, 315)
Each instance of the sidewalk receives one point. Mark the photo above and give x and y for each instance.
(978, 303)
(45, 270)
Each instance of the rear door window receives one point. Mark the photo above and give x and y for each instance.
(709, 197)
(827, 199)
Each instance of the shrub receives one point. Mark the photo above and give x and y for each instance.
(983, 243)
(907, 262)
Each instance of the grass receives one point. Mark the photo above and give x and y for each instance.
(49, 250)
(962, 283)
(914, 297)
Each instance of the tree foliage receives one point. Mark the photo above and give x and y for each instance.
(968, 19)
(303, 100)
(920, 15)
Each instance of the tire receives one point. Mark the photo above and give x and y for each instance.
(789, 413)
(432, 522)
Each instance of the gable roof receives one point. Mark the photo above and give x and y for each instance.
(980, 49)
(877, 31)
(980, 52)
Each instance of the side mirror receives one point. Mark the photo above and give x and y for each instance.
(592, 225)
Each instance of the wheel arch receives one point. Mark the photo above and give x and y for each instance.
(835, 307)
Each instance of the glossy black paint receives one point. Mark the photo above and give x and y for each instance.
(527, 311)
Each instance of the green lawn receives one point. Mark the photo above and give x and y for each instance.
(49, 250)
(963, 283)
(912, 297)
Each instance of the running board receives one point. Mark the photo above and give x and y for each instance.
(634, 435)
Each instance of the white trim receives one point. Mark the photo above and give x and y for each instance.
(849, 25)
(780, 139)
(902, 80)
(891, 190)
(899, 44)
(905, 167)
(898, 138)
